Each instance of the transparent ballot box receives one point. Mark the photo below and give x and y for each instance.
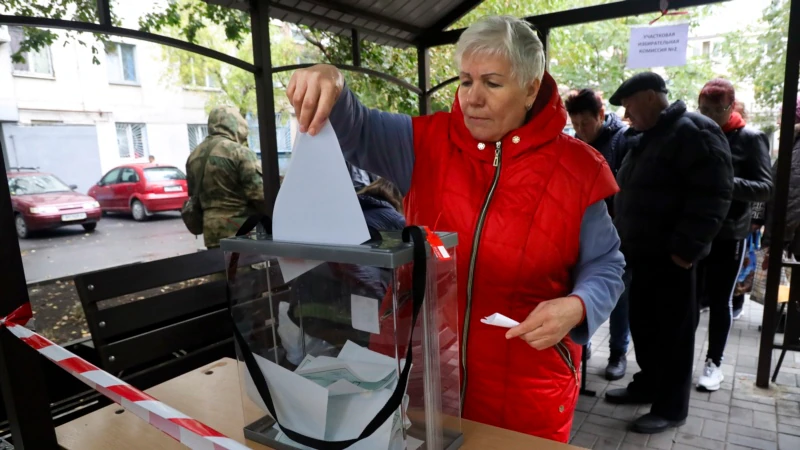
(347, 346)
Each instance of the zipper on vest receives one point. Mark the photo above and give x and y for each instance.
(562, 350)
(473, 260)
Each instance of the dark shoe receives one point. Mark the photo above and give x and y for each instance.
(652, 424)
(617, 365)
(624, 397)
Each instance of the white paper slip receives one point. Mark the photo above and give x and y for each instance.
(316, 202)
(364, 314)
(499, 320)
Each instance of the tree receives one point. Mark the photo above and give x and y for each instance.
(758, 54)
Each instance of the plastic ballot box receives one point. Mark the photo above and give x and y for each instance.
(348, 346)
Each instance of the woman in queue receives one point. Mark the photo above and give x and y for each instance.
(536, 242)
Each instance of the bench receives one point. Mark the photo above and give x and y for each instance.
(154, 338)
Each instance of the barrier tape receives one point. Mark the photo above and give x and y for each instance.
(664, 8)
(172, 422)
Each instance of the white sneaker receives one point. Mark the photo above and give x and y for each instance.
(712, 377)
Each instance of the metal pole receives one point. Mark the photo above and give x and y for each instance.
(424, 74)
(544, 35)
(267, 128)
(22, 380)
(781, 197)
(356, 48)
(104, 12)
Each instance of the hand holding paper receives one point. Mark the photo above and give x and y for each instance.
(499, 320)
(549, 322)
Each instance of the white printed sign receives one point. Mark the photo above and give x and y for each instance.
(663, 46)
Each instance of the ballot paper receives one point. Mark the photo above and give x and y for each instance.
(316, 202)
(499, 320)
(338, 397)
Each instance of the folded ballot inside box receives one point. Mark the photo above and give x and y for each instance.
(357, 350)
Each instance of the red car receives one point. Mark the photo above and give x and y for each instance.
(41, 201)
(141, 189)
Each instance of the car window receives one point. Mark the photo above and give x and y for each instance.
(36, 184)
(111, 177)
(163, 174)
(129, 176)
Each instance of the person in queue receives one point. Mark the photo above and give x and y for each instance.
(536, 242)
(676, 185)
(752, 182)
(606, 133)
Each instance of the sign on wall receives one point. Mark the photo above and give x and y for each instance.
(662, 46)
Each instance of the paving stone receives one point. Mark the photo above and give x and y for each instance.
(710, 406)
(739, 393)
(752, 405)
(603, 408)
(741, 416)
(736, 447)
(750, 442)
(636, 439)
(788, 442)
(788, 429)
(699, 442)
(626, 412)
(765, 421)
(786, 379)
(789, 420)
(693, 426)
(706, 414)
(695, 394)
(603, 431)
(605, 443)
(715, 430)
(723, 396)
(608, 422)
(585, 440)
(751, 432)
(679, 446)
(585, 404)
(662, 441)
(747, 361)
(788, 408)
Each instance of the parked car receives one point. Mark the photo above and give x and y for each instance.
(141, 190)
(41, 201)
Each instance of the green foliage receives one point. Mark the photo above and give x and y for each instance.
(758, 54)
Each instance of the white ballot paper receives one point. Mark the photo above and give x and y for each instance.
(499, 320)
(334, 398)
(316, 202)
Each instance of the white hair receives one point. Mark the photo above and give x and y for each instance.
(509, 37)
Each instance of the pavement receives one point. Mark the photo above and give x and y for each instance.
(118, 240)
(738, 416)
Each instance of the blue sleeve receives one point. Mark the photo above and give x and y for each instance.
(378, 142)
(598, 275)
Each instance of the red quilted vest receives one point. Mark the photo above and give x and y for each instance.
(527, 248)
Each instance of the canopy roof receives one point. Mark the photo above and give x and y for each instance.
(399, 23)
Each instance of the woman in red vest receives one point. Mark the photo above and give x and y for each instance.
(536, 242)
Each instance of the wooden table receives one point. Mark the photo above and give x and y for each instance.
(212, 396)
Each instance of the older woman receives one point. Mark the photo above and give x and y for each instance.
(752, 182)
(536, 241)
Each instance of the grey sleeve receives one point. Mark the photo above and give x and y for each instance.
(378, 142)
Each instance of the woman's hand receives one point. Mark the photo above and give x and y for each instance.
(313, 92)
(549, 322)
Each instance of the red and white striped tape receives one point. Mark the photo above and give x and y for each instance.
(175, 424)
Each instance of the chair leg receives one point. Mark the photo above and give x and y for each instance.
(778, 367)
(583, 390)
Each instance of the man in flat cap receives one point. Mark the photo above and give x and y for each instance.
(676, 186)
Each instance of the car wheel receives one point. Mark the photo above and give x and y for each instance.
(139, 211)
(22, 227)
(90, 226)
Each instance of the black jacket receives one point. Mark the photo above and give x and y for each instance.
(676, 187)
(792, 222)
(612, 144)
(752, 180)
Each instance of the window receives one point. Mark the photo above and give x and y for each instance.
(37, 184)
(199, 74)
(38, 62)
(111, 177)
(131, 140)
(706, 49)
(163, 174)
(129, 176)
(196, 135)
(121, 59)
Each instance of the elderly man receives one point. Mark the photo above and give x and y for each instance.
(676, 185)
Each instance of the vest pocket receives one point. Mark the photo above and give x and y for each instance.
(566, 356)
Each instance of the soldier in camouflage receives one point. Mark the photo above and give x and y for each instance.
(232, 187)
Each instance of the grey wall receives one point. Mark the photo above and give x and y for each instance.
(70, 152)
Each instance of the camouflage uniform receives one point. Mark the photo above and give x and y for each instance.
(232, 186)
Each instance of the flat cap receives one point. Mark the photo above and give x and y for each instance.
(644, 81)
